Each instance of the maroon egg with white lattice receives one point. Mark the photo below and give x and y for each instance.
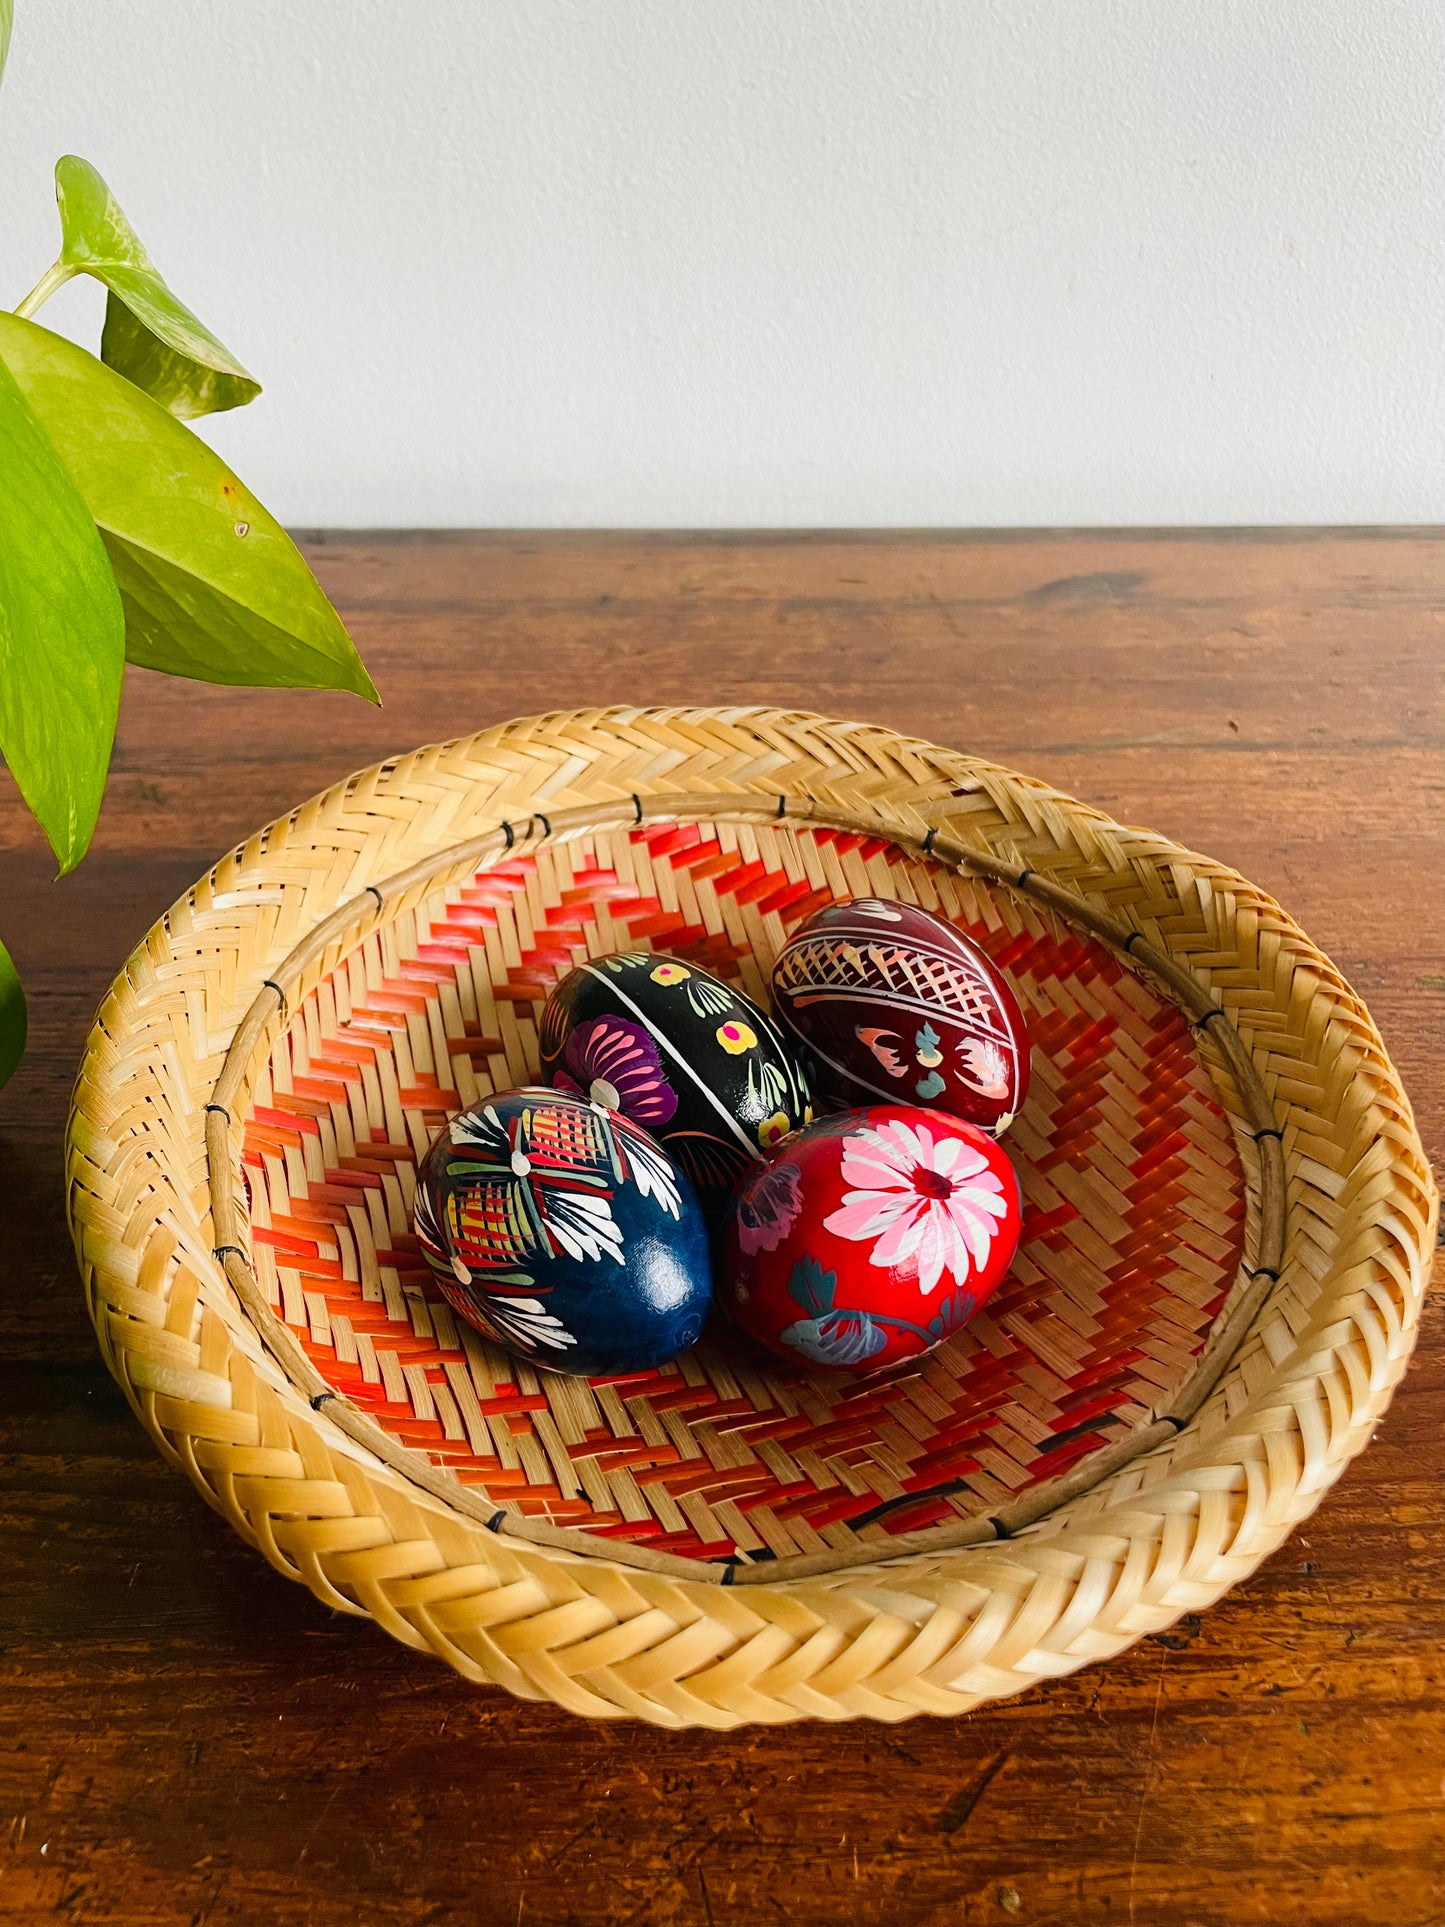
(895, 1005)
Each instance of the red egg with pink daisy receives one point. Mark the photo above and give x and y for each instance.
(871, 1238)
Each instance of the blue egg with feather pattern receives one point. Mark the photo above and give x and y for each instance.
(562, 1232)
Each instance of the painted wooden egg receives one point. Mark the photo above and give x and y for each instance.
(870, 1238)
(697, 1064)
(896, 1006)
(563, 1232)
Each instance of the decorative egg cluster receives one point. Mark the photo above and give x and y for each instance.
(579, 1225)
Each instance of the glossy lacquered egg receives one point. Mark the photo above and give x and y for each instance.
(562, 1232)
(895, 1005)
(697, 1064)
(871, 1238)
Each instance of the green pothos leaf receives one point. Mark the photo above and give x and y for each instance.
(13, 1020)
(62, 633)
(150, 335)
(212, 585)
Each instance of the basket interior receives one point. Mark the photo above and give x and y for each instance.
(1133, 1233)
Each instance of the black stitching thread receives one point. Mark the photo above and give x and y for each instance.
(1023, 878)
(219, 1251)
(928, 842)
(1134, 936)
(1000, 1528)
(222, 1109)
(637, 805)
(1168, 1418)
(372, 891)
(510, 834)
(730, 1568)
(881, 1511)
(546, 826)
(1264, 1271)
(1209, 1016)
(782, 807)
(1270, 1130)
(494, 1524)
(320, 1399)
(271, 984)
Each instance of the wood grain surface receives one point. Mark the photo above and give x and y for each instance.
(185, 1737)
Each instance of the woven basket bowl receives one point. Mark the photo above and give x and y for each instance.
(1228, 1225)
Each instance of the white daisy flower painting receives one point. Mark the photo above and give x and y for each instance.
(925, 1203)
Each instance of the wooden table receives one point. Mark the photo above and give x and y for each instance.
(186, 1738)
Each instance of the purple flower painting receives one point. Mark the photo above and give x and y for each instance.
(614, 1062)
(768, 1208)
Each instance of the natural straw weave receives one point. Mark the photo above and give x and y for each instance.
(1133, 1237)
(1229, 1226)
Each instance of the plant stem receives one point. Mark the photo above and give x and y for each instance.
(903, 1324)
(53, 278)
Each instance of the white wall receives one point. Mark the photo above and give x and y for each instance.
(687, 262)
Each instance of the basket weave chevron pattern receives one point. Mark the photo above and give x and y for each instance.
(1231, 1221)
(1135, 1225)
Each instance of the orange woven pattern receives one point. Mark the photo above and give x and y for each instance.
(1133, 1233)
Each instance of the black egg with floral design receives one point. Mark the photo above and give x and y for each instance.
(692, 1060)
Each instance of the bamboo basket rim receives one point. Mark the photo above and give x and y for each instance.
(930, 803)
